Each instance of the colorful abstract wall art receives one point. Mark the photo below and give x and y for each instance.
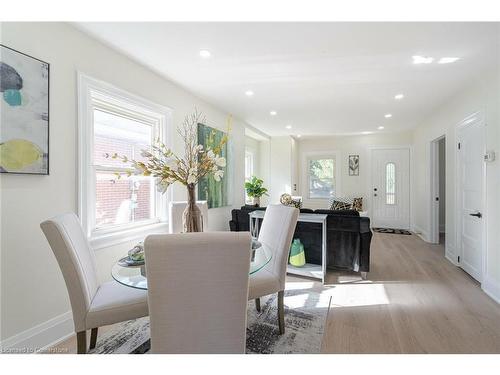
(216, 193)
(24, 113)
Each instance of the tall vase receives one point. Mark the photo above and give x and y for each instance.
(192, 218)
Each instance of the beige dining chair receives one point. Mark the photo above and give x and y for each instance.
(276, 232)
(93, 304)
(198, 291)
(175, 215)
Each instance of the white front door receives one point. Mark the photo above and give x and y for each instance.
(471, 172)
(391, 188)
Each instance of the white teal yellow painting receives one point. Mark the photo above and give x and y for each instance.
(216, 193)
(24, 113)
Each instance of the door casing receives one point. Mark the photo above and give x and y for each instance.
(479, 117)
(434, 189)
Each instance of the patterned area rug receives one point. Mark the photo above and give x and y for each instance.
(392, 231)
(305, 317)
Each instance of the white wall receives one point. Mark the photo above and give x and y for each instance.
(33, 289)
(280, 165)
(481, 95)
(350, 186)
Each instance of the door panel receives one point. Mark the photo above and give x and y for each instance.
(470, 192)
(391, 188)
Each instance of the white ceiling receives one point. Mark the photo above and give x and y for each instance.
(323, 78)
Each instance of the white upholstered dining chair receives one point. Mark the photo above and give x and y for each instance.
(93, 304)
(276, 232)
(198, 291)
(175, 215)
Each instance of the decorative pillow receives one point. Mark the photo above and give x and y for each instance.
(337, 205)
(341, 203)
(357, 204)
(287, 200)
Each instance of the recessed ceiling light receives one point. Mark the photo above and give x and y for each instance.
(288, 126)
(388, 115)
(273, 113)
(399, 96)
(422, 59)
(298, 136)
(365, 133)
(380, 128)
(448, 60)
(249, 93)
(205, 53)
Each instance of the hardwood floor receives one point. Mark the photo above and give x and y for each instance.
(420, 303)
(414, 301)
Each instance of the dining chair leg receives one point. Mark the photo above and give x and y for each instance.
(81, 342)
(281, 311)
(257, 304)
(93, 338)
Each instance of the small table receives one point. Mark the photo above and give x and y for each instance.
(316, 271)
(135, 276)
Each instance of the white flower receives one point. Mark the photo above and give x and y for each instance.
(218, 175)
(171, 163)
(191, 179)
(221, 162)
(215, 168)
(199, 148)
(210, 154)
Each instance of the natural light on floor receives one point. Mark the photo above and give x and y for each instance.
(342, 295)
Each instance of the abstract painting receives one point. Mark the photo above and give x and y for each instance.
(216, 193)
(24, 113)
(353, 165)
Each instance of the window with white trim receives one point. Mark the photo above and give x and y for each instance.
(114, 121)
(248, 165)
(321, 177)
(249, 171)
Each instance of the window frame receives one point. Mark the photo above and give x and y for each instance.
(250, 155)
(306, 157)
(394, 185)
(95, 94)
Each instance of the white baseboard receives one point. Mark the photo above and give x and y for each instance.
(41, 336)
(491, 288)
(421, 233)
(451, 258)
(449, 253)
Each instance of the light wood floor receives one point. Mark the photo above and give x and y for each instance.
(414, 301)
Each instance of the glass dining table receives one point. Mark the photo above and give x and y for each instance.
(135, 276)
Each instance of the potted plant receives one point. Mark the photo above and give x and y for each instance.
(255, 190)
(168, 167)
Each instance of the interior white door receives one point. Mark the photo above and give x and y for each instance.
(471, 171)
(391, 188)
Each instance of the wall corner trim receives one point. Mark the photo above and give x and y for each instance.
(491, 288)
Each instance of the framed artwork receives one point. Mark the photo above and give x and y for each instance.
(216, 193)
(24, 113)
(353, 165)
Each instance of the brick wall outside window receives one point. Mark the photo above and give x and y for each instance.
(114, 204)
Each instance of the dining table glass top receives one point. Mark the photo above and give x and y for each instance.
(135, 276)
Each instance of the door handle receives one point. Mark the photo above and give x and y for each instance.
(479, 215)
